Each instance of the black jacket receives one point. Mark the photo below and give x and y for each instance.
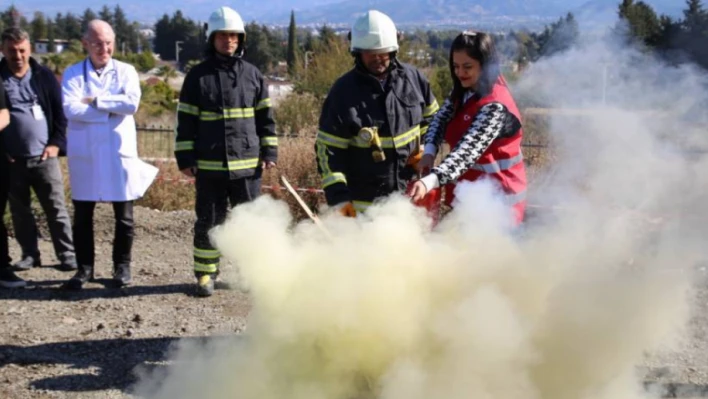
(225, 123)
(48, 91)
(401, 109)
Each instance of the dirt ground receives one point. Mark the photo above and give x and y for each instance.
(92, 344)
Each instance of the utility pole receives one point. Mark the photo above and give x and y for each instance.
(307, 58)
(177, 49)
(604, 84)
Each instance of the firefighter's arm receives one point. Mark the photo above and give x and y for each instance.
(265, 124)
(187, 123)
(486, 126)
(331, 147)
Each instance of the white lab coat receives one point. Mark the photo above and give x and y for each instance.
(102, 141)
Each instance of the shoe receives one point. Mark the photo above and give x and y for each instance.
(8, 279)
(205, 285)
(121, 276)
(26, 263)
(68, 265)
(82, 276)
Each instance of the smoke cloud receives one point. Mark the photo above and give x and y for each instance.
(564, 307)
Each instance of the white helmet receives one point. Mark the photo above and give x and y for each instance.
(225, 19)
(374, 31)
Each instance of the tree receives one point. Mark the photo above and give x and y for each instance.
(51, 45)
(72, 27)
(258, 51)
(327, 35)
(694, 18)
(122, 28)
(641, 22)
(38, 27)
(59, 27)
(106, 14)
(168, 31)
(87, 17)
(559, 36)
(292, 43)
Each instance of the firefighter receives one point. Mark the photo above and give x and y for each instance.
(225, 135)
(481, 123)
(367, 143)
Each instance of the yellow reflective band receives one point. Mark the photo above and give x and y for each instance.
(206, 267)
(407, 137)
(390, 142)
(234, 113)
(187, 109)
(333, 178)
(240, 164)
(269, 141)
(210, 116)
(229, 113)
(361, 206)
(207, 253)
(431, 109)
(323, 159)
(423, 130)
(184, 145)
(332, 140)
(263, 104)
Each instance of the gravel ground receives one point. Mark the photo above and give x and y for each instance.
(92, 344)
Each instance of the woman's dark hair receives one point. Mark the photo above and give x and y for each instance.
(479, 46)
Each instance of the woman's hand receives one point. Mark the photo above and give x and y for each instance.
(418, 191)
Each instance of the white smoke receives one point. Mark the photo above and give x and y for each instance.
(564, 307)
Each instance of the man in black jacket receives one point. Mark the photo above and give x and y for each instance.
(367, 144)
(33, 141)
(225, 135)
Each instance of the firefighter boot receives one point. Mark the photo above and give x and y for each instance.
(121, 275)
(205, 284)
(82, 276)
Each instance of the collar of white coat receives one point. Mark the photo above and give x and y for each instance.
(88, 67)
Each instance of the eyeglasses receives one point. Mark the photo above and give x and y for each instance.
(470, 33)
(99, 45)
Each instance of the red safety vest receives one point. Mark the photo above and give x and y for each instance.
(503, 160)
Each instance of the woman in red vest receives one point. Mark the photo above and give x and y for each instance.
(482, 125)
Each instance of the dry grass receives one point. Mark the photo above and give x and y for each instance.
(172, 191)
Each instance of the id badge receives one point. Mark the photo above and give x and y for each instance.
(37, 112)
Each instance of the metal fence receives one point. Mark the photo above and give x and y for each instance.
(156, 142)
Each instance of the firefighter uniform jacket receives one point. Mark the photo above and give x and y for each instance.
(400, 107)
(225, 121)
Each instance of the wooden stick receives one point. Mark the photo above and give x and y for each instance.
(304, 206)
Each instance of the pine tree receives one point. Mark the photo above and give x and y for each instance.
(292, 43)
(38, 27)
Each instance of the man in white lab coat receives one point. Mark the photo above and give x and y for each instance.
(100, 97)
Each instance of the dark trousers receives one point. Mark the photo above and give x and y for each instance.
(83, 233)
(45, 178)
(4, 187)
(212, 205)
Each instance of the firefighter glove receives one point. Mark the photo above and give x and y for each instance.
(348, 210)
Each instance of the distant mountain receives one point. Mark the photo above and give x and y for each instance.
(426, 12)
(470, 12)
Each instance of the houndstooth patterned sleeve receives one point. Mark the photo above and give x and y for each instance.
(436, 129)
(487, 125)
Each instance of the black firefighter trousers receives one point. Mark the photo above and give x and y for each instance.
(213, 197)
